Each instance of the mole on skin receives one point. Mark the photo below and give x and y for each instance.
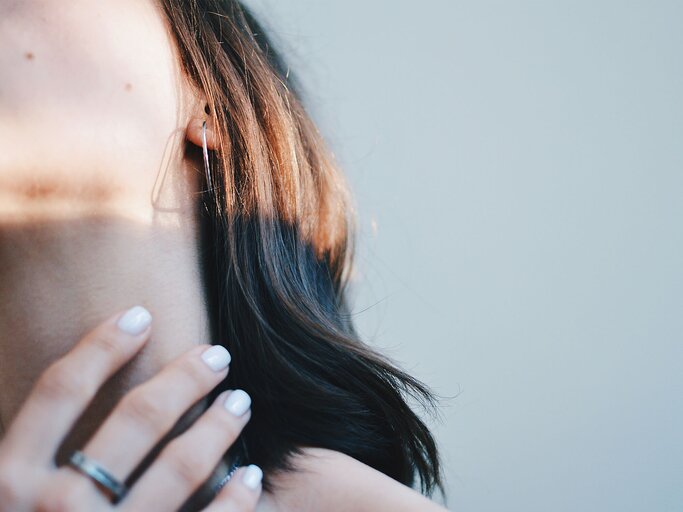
(29, 56)
(128, 87)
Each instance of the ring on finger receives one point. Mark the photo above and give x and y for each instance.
(94, 470)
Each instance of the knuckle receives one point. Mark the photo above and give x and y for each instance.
(61, 382)
(189, 466)
(196, 373)
(109, 344)
(230, 426)
(146, 408)
(221, 424)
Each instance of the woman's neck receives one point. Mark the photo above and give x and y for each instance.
(63, 274)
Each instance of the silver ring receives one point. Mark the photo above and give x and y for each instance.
(96, 472)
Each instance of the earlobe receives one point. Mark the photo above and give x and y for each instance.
(195, 133)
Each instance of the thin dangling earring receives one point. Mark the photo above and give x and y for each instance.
(205, 151)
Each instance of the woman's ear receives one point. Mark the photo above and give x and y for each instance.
(195, 132)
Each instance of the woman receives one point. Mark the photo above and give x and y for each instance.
(157, 152)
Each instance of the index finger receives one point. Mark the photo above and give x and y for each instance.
(65, 388)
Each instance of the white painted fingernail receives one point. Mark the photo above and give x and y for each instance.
(217, 358)
(134, 321)
(238, 402)
(252, 476)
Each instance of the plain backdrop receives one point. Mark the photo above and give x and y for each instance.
(518, 171)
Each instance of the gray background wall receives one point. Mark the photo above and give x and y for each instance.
(518, 171)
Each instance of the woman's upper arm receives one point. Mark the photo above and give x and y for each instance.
(331, 481)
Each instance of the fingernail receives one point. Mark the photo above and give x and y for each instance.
(238, 402)
(252, 476)
(134, 321)
(217, 358)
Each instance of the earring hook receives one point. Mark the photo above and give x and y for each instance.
(205, 151)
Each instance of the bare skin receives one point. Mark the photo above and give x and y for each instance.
(97, 214)
(29, 479)
(88, 123)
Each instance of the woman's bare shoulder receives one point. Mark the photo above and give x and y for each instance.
(334, 482)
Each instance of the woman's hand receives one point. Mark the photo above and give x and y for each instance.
(29, 478)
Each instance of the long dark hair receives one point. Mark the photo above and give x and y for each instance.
(277, 233)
